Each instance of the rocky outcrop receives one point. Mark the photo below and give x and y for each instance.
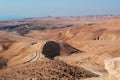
(52, 49)
(112, 65)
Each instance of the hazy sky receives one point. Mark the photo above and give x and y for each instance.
(40, 8)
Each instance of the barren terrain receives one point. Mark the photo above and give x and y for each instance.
(50, 48)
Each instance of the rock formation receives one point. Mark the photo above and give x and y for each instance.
(112, 65)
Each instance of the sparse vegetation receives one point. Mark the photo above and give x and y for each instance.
(3, 62)
(47, 70)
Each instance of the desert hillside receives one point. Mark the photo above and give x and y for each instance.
(68, 48)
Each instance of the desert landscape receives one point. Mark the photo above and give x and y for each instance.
(60, 48)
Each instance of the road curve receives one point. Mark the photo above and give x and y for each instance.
(37, 54)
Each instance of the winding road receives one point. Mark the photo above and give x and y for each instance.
(37, 56)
